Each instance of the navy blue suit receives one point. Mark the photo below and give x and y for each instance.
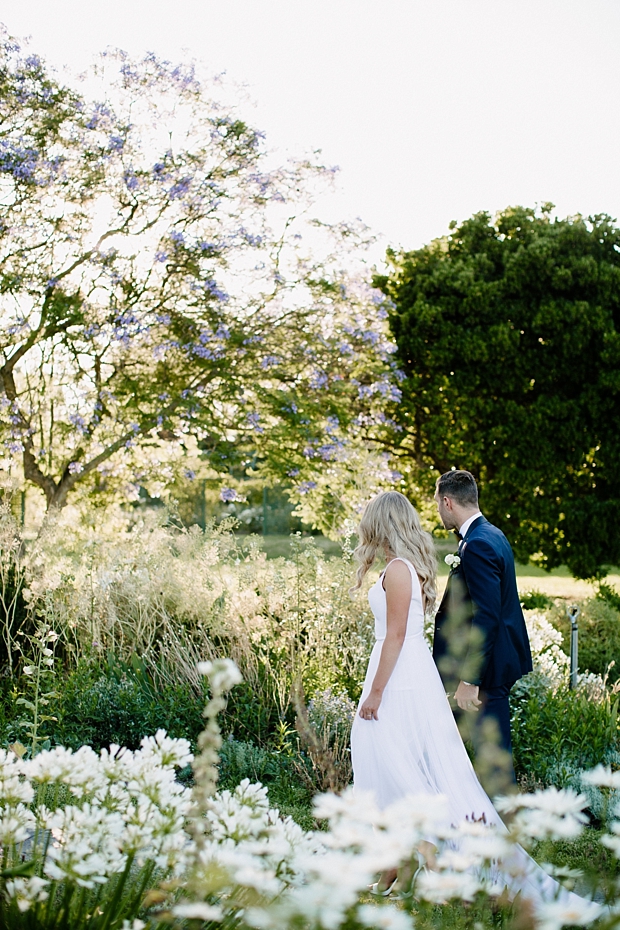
(482, 589)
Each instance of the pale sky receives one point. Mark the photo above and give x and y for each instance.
(433, 109)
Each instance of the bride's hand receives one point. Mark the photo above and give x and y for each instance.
(370, 708)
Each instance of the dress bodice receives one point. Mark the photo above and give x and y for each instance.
(378, 605)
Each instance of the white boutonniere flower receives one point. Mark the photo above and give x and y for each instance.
(452, 560)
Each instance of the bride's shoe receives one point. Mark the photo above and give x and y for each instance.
(374, 889)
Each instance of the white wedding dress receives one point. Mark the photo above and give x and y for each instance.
(415, 746)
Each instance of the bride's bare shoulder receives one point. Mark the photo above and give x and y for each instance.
(397, 575)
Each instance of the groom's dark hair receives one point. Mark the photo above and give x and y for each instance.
(460, 486)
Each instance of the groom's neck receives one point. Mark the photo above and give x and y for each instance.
(464, 514)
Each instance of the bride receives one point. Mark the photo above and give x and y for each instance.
(404, 738)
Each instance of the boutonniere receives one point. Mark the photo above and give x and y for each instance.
(453, 561)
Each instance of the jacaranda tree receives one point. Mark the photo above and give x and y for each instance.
(160, 278)
(508, 331)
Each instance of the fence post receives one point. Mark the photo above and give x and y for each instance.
(573, 613)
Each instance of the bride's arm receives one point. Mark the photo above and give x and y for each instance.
(397, 585)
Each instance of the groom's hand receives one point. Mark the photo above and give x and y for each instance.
(466, 696)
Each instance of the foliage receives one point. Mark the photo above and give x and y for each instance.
(167, 300)
(558, 732)
(598, 636)
(114, 702)
(507, 331)
(536, 600)
(608, 593)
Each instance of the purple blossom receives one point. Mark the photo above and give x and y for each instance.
(396, 476)
(306, 486)
(179, 189)
(250, 238)
(101, 114)
(269, 361)
(229, 495)
(116, 143)
(79, 422)
(210, 355)
(190, 474)
(15, 447)
(19, 161)
(75, 468)
(131, 179)
(161, 256)
(293, 472)
(254, 421)
(177, 236)
(329, 450)
(211, 287)
(318, 380)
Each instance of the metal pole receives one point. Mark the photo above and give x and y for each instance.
(573, 613)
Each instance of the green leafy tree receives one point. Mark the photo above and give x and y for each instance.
(162, 282)
(508, 333)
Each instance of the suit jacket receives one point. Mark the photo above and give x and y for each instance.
(482, 595)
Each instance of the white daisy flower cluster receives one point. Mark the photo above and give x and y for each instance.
(552, 814)
(124, 808)
(124, 813)
(548, 656)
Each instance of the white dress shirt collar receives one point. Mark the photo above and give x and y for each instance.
(463, 529)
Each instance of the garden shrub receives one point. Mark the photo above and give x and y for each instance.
(557, 732)
(599, 636)
(248, 717)
(99, 704)
(536, 600)
(608, 593)
(239, 760)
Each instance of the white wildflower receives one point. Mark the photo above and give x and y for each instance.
(601, 777)
(198, 910)
(441, 887)
(16, 825)
(556, 914)
(384, 918)
(13, 788)
(27, 891)
(223, 674)
(167, 751)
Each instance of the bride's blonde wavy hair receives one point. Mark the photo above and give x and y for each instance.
(391, 522)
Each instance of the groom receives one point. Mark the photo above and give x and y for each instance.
(482, 594)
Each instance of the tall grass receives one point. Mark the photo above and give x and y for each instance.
(175, 597)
